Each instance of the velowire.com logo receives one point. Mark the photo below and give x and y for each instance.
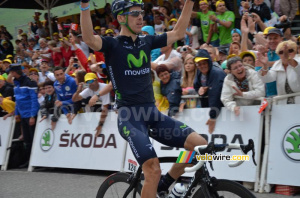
(291, 143)
(47, 140)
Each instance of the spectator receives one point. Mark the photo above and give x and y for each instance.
(274, 37)
(74, 66)
(7, 105)
(6, 90)
(27, 105)
(224, 67)
(102, 31)
(26, 68)
(149, 30)
(48, 105)
(286, 71)
(191, 36)
(207, 25)
(80, 44)
(209, 82)
(242, 82)
(44, 70)
(98, 30)
(56, 57)
(249, 58)
(44, 48)
(161, 102)
(6, 63)
(212, 53)
(4, 31)
(285, 7)
(101, 71)
(236, 35)
(41, 93)
(235, 48)
(65, 49)
(65, 86)
(187, 82)
(222, 54)
(159, 25)
(224, 23)
(34, 74)
(262, 10)
(6, 47)
(170, 57)
(92, 92)
(170, 87)
(55, 37)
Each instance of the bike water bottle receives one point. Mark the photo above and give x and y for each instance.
(177, 191)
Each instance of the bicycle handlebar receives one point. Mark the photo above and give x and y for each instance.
(212, 148)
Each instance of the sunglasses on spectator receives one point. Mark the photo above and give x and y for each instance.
(135, 13)
(290, 51)
(90, 81)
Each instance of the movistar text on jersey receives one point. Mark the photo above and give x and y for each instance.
(137, 72)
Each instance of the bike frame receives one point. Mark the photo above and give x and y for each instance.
(201, 177)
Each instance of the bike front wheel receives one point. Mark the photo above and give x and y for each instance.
(226, 189)
(116, 185)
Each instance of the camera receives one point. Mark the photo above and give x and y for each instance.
(284, 24)
(75, 65)
(75, 60)
(183, 49)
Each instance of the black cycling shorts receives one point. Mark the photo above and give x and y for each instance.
(139, 122)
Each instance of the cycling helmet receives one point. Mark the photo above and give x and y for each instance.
(119, 6)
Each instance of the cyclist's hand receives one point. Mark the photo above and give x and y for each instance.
(98, 130)
(211, 125)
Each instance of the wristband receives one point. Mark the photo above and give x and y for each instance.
(85, 1)
(84, 9)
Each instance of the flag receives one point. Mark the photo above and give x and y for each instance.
(263, 105)
(185, 157)
(74, 26)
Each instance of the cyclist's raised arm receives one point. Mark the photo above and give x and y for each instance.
(93, 41)
(180, 28)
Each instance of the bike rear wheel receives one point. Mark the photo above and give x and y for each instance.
(226, 189)
(116, 185)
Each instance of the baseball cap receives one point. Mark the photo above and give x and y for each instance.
(197, 59)
(223, 50)
(44, 60)
(235, 30)
(23, 34)
(25, 64)
(34, 69)
(9, 56)
(266, 31)
(3, 42)
(7, 60)
(14, 67)
(55, 34)
(231, 55)
(275, 31)
(109, 31)
(174, 19)
(97, 28)
(149, 29)
(224, 64)
(218, 2)
(89, 76)
(247, 52)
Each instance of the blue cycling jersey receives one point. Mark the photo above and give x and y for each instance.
(129, 66)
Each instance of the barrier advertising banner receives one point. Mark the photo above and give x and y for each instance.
(4, 137)
(75, 146)
(229, 129)
(284, 152)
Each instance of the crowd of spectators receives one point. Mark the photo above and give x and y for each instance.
(223, 65)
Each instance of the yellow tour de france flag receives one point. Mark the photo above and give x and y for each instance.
(185, 157)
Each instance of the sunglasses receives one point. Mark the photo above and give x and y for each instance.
(290, 51)
(90, 81)
(135, 13)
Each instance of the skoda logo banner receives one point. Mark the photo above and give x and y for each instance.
(291, 143)
(47, 140)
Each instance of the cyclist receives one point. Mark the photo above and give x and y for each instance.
(128, 62)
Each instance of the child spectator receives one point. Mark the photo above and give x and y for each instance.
(187, 83)
(161, 102)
